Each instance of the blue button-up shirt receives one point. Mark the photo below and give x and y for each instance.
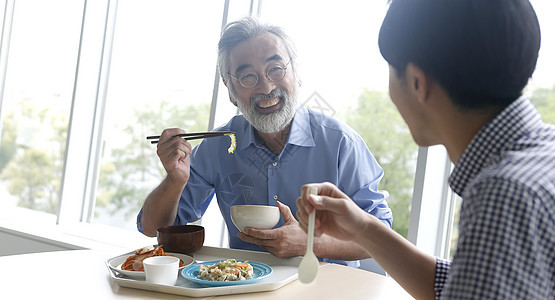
(318, 149)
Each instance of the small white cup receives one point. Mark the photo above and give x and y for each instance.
(161, 269)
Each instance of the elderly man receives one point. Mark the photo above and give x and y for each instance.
(457, 71)
(280, 147)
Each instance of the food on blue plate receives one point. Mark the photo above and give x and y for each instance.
(135, 261)
(227, 270)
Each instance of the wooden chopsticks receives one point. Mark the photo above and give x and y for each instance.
(192, 135)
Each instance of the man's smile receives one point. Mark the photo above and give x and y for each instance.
(269, 105)
(268, 102)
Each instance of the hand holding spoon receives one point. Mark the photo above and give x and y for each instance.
(309, 265)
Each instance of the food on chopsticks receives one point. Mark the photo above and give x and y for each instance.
(233, 142)
(227, 270)
(135, 261)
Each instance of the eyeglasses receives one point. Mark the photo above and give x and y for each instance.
(275, 72)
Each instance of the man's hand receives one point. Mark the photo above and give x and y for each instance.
(286, 241)
(336, 214)
(160, 207)
(174, 154)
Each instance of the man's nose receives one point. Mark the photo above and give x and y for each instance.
(265, 85)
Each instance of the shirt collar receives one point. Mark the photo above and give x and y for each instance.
(494, 138)
(300, 134)
(246, 138)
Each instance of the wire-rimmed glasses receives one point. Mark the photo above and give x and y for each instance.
(274, 72)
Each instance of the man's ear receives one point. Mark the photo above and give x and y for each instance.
(418, 82)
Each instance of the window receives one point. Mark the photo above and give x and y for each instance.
(161, 75)
(36, 101)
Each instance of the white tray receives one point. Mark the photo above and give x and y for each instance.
(284, 271)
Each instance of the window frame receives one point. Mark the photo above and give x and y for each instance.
(433, 206)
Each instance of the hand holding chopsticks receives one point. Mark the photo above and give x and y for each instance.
(192, 135)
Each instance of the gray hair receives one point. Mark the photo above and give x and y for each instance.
(243, 30)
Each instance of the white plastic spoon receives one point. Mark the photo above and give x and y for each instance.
(309, 265)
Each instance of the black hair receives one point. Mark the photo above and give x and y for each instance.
(482, 52)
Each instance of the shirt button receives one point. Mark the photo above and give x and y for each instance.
(275, 197)
(274, 164)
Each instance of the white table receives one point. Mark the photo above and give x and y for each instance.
(82, 274)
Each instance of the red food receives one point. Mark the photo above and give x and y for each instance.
(135, 261)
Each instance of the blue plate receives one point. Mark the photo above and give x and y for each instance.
(260, 271)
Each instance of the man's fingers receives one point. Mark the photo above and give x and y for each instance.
(247, 238)
(259, 234)
(302, 224)
(169, 133)
(286, 213)
(173, 152)
(330, 204)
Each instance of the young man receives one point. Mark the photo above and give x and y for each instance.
(457, 71)
(280, 147)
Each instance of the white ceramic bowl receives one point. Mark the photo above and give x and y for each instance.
(255, 216)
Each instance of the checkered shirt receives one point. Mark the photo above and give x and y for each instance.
(506, 244)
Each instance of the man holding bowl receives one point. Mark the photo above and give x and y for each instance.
(280, 147)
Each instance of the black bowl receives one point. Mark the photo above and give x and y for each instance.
(186, 239)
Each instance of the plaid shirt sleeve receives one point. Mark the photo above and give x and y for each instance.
(442, 269)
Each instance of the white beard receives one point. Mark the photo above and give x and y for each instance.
(272, 122)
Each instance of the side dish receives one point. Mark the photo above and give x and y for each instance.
(135, 261)
(227, 270)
